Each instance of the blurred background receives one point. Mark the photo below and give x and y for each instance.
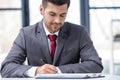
(100, 17)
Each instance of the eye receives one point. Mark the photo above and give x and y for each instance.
(52, 14)
(62, 15)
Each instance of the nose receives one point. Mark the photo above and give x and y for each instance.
(57, 20)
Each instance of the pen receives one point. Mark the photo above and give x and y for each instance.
(42, 61)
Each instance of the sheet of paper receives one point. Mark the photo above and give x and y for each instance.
(69, 76)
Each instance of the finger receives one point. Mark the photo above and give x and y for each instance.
(50, 68)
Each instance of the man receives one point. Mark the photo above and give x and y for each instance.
(72, 51)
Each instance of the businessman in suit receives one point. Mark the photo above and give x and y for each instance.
(72, 49)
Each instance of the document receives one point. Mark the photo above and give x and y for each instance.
(69, 76)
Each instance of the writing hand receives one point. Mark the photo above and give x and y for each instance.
(46, 69)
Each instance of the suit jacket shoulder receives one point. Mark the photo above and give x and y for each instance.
(75, 27)
(32, 29)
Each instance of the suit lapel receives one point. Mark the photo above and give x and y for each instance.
(62, 37)
(42, 39)
(60, 44)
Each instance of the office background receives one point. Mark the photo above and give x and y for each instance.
(101, 18)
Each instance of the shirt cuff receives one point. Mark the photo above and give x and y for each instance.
(59, 71)
(31, 72)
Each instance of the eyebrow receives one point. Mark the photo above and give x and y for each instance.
(54, 12)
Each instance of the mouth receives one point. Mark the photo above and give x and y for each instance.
(56, 26)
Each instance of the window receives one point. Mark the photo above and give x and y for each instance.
(10, 23)
(104, 16)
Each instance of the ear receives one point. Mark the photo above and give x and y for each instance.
(41, 8)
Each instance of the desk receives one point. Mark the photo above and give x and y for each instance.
(107, 77)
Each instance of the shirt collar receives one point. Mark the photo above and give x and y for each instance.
(47, 32)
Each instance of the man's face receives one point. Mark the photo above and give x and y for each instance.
(54, 16)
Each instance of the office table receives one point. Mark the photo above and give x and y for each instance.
(107, 77)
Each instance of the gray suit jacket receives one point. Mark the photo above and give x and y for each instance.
(75, 52)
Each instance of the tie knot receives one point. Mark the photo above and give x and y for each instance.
(52, 37)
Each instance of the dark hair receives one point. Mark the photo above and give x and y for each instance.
(56, 2)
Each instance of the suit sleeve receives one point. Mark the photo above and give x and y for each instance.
(89, 62)
(13, 66)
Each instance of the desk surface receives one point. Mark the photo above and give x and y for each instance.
(107, 77)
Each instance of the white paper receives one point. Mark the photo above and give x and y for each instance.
(69, 76)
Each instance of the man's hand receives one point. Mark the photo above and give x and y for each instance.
(46, 69)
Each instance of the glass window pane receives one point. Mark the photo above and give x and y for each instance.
(35, 15)
(74, 12)
(10, 23)
(102, 24)
(10, 3)
(104, 3)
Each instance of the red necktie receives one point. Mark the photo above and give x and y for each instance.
(53, 44)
